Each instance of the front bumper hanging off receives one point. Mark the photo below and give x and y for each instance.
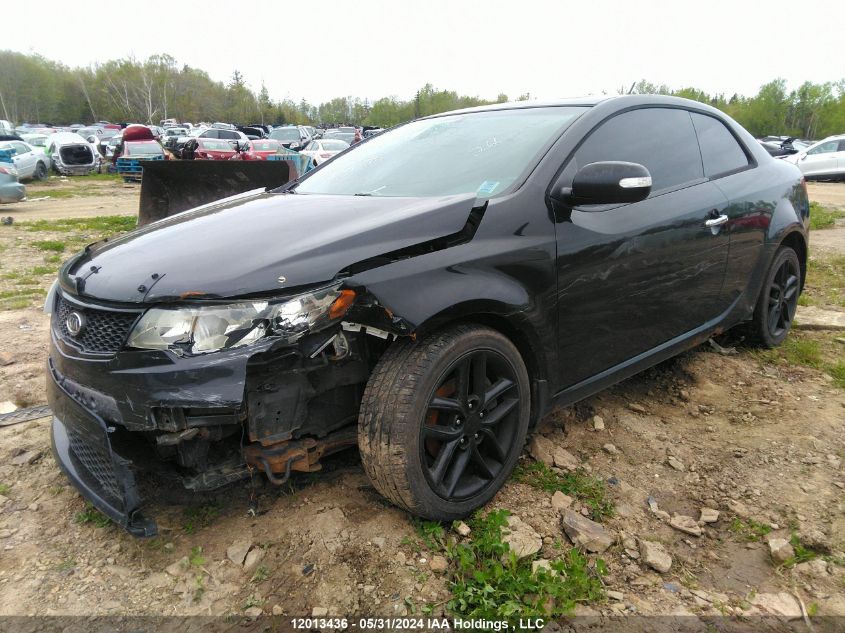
(82, 448)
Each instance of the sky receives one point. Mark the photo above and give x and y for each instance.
(320, 49)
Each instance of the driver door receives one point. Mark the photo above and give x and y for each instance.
(634, 276)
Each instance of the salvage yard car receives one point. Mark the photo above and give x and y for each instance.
(29, 162)
(72, 155)
(824, 160)
(427, 313)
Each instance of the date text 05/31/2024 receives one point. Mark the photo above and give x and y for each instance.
(416, 624)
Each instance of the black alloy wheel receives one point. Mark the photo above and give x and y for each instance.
(783, 298)
(778, 300)
(470, 424)
(443, 420)
(40, 171)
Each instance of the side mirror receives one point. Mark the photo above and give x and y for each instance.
(607, 182)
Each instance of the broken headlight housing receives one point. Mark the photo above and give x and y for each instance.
(211, 328)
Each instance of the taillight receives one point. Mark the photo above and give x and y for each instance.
(3, 170)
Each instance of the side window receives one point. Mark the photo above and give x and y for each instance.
(210, 134)
(720, 151)
(825, 148)
(661, 139)
(20, 148)
(842, 145)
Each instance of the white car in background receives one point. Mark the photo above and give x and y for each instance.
(825, 159)
(29, 162)
(323, 149)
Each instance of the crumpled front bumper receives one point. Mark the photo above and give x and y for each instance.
(82, 448)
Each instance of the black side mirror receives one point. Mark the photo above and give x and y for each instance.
(606, 182)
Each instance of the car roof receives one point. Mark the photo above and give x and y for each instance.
(588, 101)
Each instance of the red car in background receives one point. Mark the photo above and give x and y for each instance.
(213, 149)
(260, 149)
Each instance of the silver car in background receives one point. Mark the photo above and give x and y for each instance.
(72, 155)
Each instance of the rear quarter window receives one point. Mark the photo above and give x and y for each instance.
(721, 153)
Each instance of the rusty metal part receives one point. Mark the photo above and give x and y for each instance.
(297, 455)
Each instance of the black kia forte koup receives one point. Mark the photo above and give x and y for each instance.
(427, 295)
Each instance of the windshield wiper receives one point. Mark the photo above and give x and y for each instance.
(362, 194)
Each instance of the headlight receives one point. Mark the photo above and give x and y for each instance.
(202, 329)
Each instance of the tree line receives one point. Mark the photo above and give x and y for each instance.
(38, 90)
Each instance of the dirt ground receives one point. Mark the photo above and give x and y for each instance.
(756, 438)
(81, 197)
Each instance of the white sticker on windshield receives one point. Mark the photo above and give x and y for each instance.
(487, 187)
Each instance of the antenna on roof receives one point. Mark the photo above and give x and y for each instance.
(632, 87)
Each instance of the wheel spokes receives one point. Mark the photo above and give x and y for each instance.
(442, 433)
(479, 377)
(499, 388)
(458, 468)
(462, 381)
(443, 461)
(491, 440)
(446, 404)
(495, 416)
(790, 288)
(480, 465)
(774, 318)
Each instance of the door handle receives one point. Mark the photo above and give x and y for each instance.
(717, 221)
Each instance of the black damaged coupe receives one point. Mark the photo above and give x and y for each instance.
(426, 296)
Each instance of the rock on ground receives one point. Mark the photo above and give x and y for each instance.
(655, 556)
(522, 538)
(237, 551)
(781, 604)
(780, 550)
(561, 501)
(542, 449)
(585, 533)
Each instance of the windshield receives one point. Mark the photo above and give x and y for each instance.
(265, 146)
(285, 134)
(216, 146)
(346, 137)
(332, 145)
(143, 149)
(481, 152)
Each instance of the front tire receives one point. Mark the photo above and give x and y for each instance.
(778, 301)
(443, 421)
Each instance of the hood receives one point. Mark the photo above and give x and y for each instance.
(258, 243)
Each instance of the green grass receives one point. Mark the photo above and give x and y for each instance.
(105, 224)
(196, 558)
(431, 533)
(822, 217)
(261, 574)
(21, 298)
(91, 515)
(199, 517)
(488, 581)
(50, 245)
(749, 529)
(825, 281)
(5, 489)
(837, 371)
(589, 490)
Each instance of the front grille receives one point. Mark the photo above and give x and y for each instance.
(97, 462)
(104, 332)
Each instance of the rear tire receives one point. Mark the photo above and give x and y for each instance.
(40, 171)
(443, 421)
(778, 300)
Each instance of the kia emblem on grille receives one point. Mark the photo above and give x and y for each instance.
(75, 323)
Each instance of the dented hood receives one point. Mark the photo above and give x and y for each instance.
(258, 243)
